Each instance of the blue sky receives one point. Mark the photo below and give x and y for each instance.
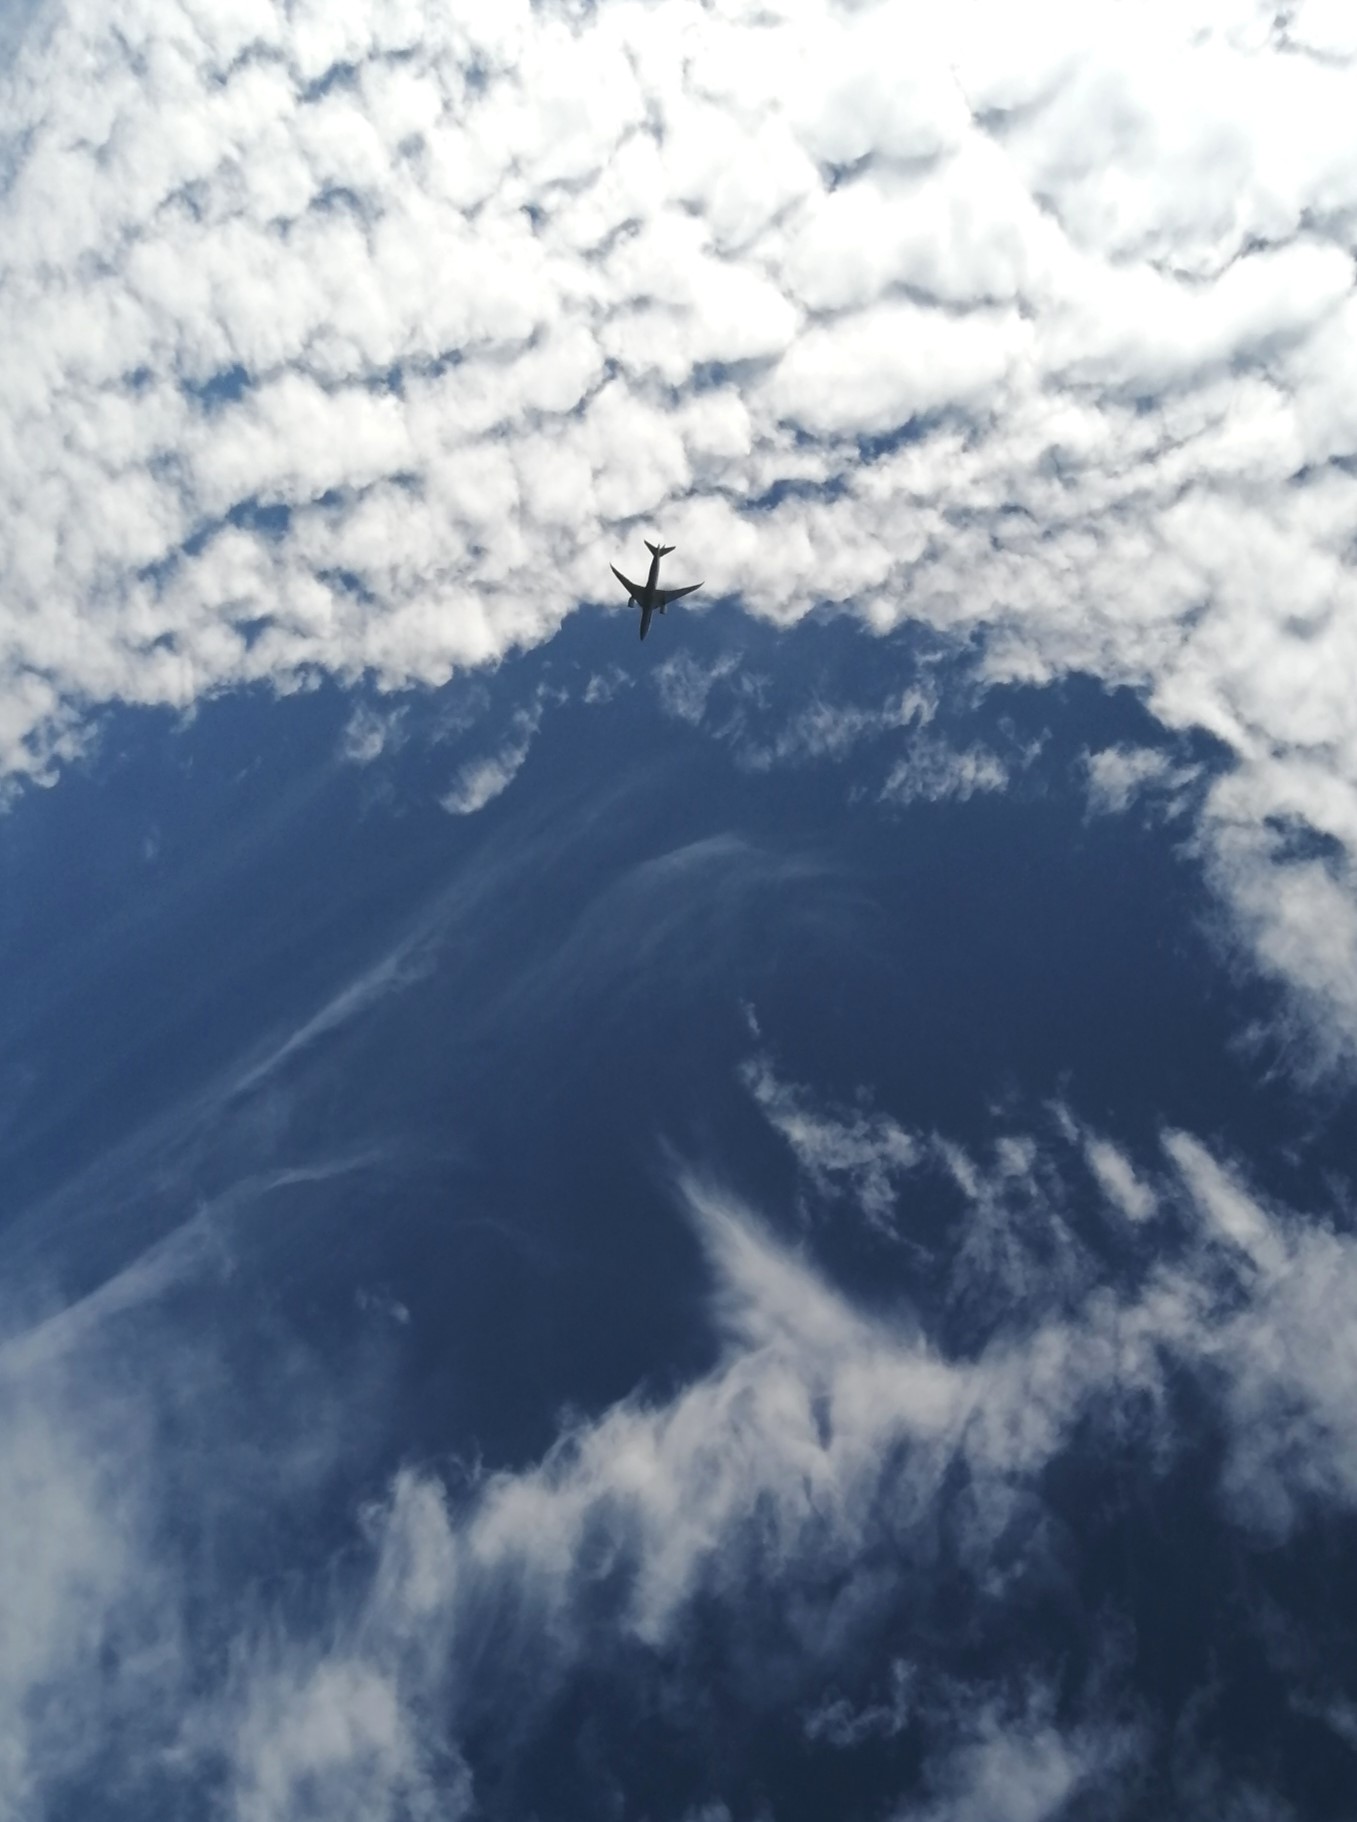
(706, 1262)
(731, 1230)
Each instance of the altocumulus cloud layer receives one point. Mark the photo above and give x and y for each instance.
(355, 337)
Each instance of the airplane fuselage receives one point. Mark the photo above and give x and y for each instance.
(647, 601)
(648, 595)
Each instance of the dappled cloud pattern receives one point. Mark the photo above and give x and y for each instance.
(354, 338)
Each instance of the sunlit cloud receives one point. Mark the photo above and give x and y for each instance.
(357, 343)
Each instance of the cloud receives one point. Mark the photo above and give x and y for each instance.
(355, 345)
(1290, 880)
(815, 1409)
(1240, 1292)
(1022, 1765)
(368, 733)
(685, 685)
(80, 1583)
(831, 730)
(345, 1720)
(1118, 1180)
(1119, 775)
(831, 1476)
(863, 1151)
(604, 685)
(480, 781)
(931, 771)
(822, 1436)
(407, 963)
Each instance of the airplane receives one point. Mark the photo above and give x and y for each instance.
(649, 597)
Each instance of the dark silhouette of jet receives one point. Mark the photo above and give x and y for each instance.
(651, 596)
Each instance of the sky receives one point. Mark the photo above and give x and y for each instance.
(747, 1228)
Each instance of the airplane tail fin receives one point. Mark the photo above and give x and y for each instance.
(658, 550)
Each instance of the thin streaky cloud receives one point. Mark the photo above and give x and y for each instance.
(826, 1441)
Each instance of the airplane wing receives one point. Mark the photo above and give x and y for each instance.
(663, 596)
(634, 589)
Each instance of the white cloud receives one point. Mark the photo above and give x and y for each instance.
(1291, 883)
(861, 1150)
(932, 771)
(882, 367)
(1020, 1765)
(77, 1581)
(605, 684)
(336, 1733)
(369, 733)
(389, 274)
(344, 1720)
(831, 730)
(817, 1426)
(685, 686)
(482, 780)
(1118, 1180)
(1119, 775)
(821, 1447)
(1228, 1205)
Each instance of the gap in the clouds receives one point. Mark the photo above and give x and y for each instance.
(913, 430)
(798, 489)
(1295, 840)
(343, 199)
(270, 518)
(346, 581)
(224, 387)
(341, 75)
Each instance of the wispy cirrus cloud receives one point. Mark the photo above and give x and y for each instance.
(822, 1432)
(685, 685)
(1017, 1761)
(480, 781)
(848, 1478)
(1118, 1178)
(858, 1149)
(931, 772)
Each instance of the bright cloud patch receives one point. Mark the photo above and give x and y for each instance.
(359, 342)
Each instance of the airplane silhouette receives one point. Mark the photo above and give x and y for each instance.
(650, 595)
